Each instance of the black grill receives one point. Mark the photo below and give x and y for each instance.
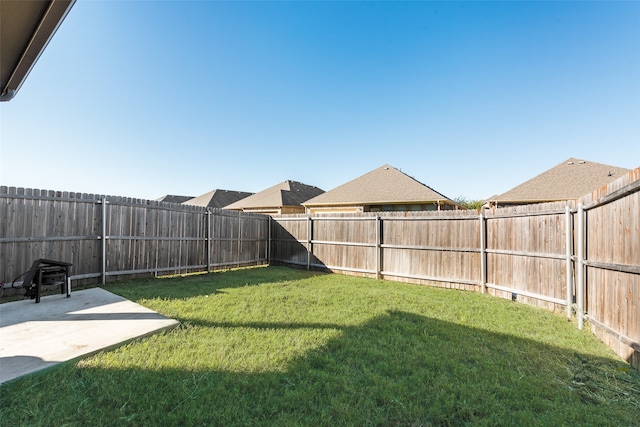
(47, 272)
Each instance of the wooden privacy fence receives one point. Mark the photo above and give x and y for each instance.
(517, 255)
(582, 258)
(106, 236)
(611, 264)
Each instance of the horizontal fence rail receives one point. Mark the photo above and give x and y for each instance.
(610, 264)
(116, 237)
(582, 257)
(376, 245)
(445, 248)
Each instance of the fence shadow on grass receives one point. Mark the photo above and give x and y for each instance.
(397, 369)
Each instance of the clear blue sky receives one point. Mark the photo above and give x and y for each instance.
(146, 98)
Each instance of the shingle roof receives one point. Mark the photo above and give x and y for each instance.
(568, 180)
(383, 185)
(217, 198)
(170, 198)
(287, 193)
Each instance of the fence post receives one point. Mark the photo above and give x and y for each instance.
(309, 240)
(580, 266)
(103, 272)
(208, 240)
(483, 252)
(269, 242)
(239, 237)
(568, 252)
(378, 245)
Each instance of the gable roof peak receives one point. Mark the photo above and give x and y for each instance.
(385, 184)
(285, 193)
(568, 180)
(217, 198)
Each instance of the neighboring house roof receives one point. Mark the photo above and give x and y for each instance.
(385, 185)
(25, 30)
(170, 198)
(217, 198)
(287, 193)
(568, 180)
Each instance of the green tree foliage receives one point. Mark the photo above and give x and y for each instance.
(468, 203)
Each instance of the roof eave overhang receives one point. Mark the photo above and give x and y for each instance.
(532, 200)
(382, 202)
(230, 207)
(36, 41)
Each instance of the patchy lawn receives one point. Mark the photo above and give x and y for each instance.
(276, 346)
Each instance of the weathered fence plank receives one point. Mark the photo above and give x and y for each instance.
(530, 252)
(525, 247)
(613, 265)
(142, 237)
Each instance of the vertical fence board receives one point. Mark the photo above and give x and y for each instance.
(526, 255)
(525, 246)
(613, 237)
(143, 237)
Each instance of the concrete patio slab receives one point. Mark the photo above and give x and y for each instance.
(35, 336)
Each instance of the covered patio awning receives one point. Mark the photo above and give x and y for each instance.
(25, 30)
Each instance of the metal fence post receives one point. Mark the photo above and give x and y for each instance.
(239, 237)
(309, 240)
(569, 253)
(269, 241)
(483, 252)
(378, 246)
(208, 240)
(103, 273)
(580, 266)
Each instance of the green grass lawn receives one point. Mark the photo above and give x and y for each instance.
(277, 346)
